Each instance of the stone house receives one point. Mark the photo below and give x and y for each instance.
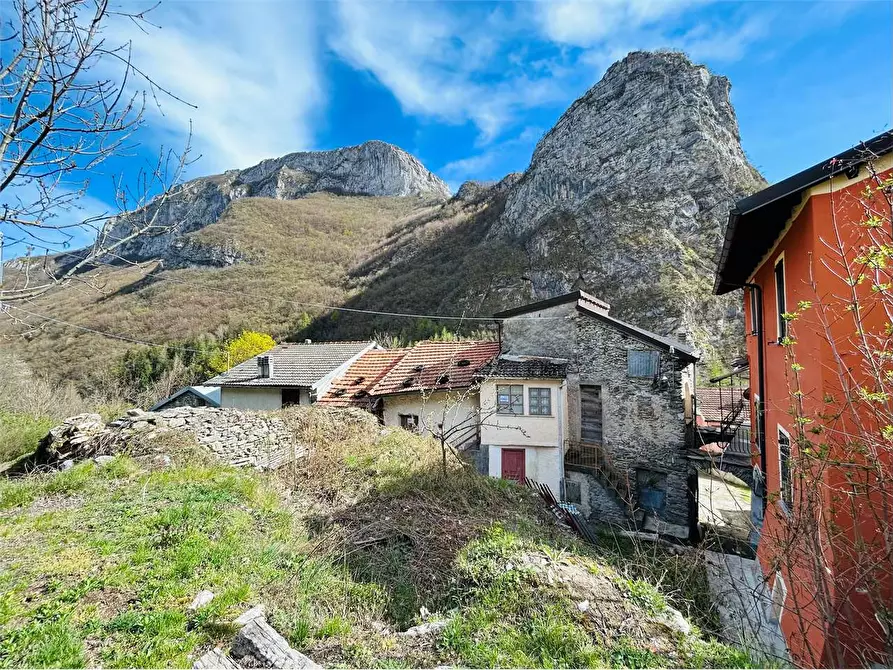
(623, 416)
(287, 374)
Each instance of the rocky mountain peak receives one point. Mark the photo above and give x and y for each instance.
(627, 195)
(374, 168)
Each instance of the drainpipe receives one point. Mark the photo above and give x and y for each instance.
(560, 417)
(761, 358)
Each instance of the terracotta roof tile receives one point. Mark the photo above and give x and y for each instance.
(353, 387)
(437, 365)
(715, 403)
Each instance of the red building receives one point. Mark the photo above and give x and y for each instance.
(813, 254)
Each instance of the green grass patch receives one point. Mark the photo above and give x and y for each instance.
(20, 433)
(347, 547)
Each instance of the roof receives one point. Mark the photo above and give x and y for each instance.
(527, 367)
(573, 296)
(715, 403)
(355, 385)
(592, 306)
(293, 364)
(437, 365)
(211, 395)
(757, 221)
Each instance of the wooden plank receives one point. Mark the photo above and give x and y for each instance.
(591, 413)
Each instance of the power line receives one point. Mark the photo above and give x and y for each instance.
(410, 315)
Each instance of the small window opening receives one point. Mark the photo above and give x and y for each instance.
(463, 363)
(409, 381)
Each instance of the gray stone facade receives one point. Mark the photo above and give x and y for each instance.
(644, 426)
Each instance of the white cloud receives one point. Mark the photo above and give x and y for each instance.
(250, 68)
(443, 64)
(483, 164)
(586, 22)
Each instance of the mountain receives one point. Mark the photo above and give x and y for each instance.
(370, 169)
(626, 197)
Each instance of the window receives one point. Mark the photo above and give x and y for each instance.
(784, 469)
(291, 397)
(539, 401)
(409, 422)
(509, 399)
(642, 363)
(754, 312)
(780, 302)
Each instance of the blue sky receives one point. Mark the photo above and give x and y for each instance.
(470, 87)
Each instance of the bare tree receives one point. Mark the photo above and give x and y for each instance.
(70, 100)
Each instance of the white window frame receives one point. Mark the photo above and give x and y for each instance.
(781, 431)
(754, 317)
(508, 411)
(781, 325)
(548, 397)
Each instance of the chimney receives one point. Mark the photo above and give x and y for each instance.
(264, 367)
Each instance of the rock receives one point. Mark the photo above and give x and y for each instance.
(134, 412)
(428, 628)
(583, 606)
(673, 619)
(214, 659)
(258, 645)
(372, 169)
(633, 182)
(201, 599)
(232, 435)
(256, 612)
(67, 464)
(103, 460)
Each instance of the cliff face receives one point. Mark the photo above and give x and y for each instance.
(627, 195)
(371, 169)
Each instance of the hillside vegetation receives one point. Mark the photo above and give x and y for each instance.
(346, 549)
(295, 251)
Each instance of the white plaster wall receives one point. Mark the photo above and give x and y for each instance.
(542, 464)
(442, 407)
(264, 398)
(523, 429)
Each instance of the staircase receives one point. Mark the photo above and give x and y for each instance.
(594, 458)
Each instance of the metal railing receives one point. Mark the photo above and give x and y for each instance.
(595, 458)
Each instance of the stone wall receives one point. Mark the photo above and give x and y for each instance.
(643, 419)
(250, 439)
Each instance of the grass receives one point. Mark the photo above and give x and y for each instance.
(100, 563)
(20, 433)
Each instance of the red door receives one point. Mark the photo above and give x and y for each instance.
(513, 465)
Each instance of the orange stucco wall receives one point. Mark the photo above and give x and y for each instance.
(810, 263)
